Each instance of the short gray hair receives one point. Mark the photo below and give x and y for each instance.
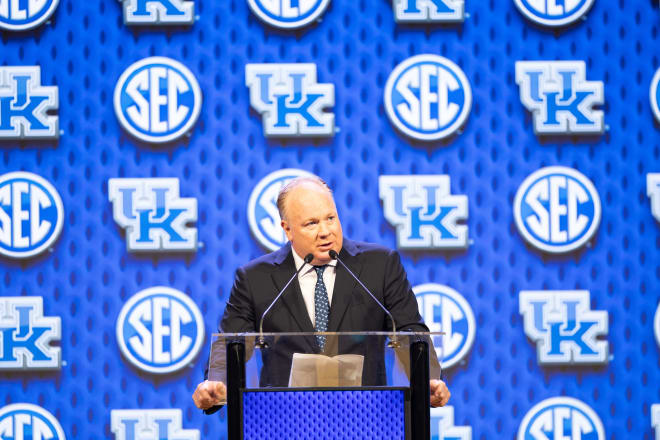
(286, 189)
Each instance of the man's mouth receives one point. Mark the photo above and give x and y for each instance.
(325, 246)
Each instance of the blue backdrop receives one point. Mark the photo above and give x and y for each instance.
(90, 275)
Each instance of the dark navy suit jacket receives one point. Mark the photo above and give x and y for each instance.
(258, 283)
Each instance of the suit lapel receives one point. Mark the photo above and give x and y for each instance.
(292, 298)
(344, 286)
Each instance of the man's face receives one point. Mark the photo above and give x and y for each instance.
(311, 223)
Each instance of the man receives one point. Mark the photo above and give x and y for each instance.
(310, 221)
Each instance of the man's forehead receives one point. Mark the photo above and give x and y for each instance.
(306, 198)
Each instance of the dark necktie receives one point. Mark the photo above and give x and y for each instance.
(321, 306)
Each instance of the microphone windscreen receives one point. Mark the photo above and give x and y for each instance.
(333, 254)
(308, 258)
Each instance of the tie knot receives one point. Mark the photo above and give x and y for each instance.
(319, 270)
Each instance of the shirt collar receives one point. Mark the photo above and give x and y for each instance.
(299, 262)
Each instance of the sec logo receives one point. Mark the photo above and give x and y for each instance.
(445, 310)
(21, 15)
(23, 421)
(160, 330)
(557, 209)
(561, 418)
(31, 214)
(157, 100)
(263, 216)
(428, 97)
(554, 12)
(288, 14)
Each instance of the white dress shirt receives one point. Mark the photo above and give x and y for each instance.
(307, 280)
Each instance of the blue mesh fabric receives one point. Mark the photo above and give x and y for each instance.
(89, 275)
(326, 415)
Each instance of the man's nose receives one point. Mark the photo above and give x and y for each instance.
(323, 229)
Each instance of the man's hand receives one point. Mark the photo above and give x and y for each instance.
(439, 393)
(209, 394)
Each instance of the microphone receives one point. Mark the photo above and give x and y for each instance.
(261, 343)
(393, 339)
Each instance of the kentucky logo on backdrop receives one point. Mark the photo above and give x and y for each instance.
(557, 209)
(31, 214)
(288, 14)
(158, 12)
(560, 98)
(654, 95)
(26, 107)
(150, 424)
(428, 97)
(561, 418)
(563, 326)
(423, 211)
(26, 335)
(21, 15)
(160, 330)
(655, 419)
(24, 421)
(157, 100)
(554, 12)
(263, 215)
(445, 310)
(153, 214)
(653, 191)
(442, 425)
(429, 11)
(290, 100)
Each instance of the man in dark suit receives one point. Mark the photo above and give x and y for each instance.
(325, 296)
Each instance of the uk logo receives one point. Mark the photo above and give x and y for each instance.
(563, 326)
(423, 211)
(24, 421)
(150, 424)
(288, 14)
(26, 335)
(560, 98)
(21, 15)
(263, 215)
(559, 418)
(31, 214)
(154, 216)
(157, 100)
(554, 13)
(160, 330)
(445, 310)
(158, 12)
(654, 95)
(428, 97)
(26, 107)
(290, 100)
(442, 425)
(655, 419)
(557, 209)
(429, 11)
(653, 191)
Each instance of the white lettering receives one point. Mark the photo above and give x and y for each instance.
(18, 214)
(139, 113)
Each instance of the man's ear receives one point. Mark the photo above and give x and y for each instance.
(287, 229)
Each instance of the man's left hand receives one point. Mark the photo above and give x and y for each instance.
(439, 393)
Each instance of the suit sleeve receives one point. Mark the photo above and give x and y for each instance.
(239, 313)
(401, 302)
(399, 298)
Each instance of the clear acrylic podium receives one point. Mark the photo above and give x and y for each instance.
(363, 384)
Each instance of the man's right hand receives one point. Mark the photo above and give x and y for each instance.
(209, 394)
